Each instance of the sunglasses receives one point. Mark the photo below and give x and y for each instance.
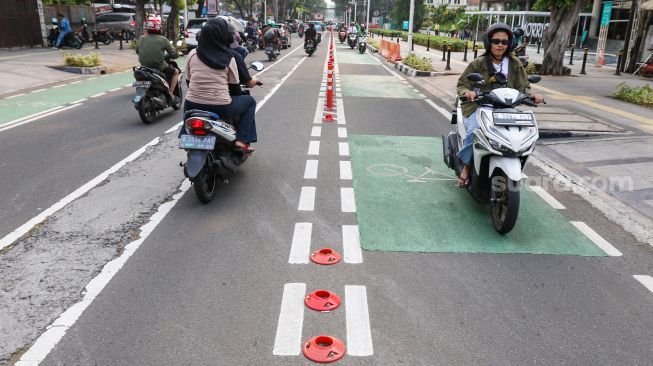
(497, 42)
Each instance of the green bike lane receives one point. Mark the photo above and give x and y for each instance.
(42, 100)
(406, 199)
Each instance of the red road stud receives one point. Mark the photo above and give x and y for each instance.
(322, 300)
(328, 118)
(324, 349)
(325, 256)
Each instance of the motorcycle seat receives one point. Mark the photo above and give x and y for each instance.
(153, 71)
(200, 113)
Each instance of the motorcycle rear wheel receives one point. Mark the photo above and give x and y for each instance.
(505, 203)
(107, 40)
(204, 183)
(146, 111)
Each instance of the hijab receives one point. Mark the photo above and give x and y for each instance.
(213, 44)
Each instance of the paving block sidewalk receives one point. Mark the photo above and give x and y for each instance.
(33, 68)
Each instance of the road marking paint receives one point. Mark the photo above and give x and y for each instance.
(359, 335)
(14, 96)
(127, 85)
(79, 81)
(421, 95)
(345, 170)
(342, 132)
(343, 149)
(547, 197)
(322, 94)
(646, 281)
(340, 107)
(524, 176)
(301, 243)
(597, 239)
(279, 60)
(79, 101)
(316, 131)
(97, 95)
(347, 200)
(314, 148)
(276, 87)
(56, 331)
(37, 90)
(351, 244)
(307, 199)
(115, 89)
(442, 111)
(58, 86)
(288, 340)
(173, 128)
(23, 121)
(310, 172)
(23, 229)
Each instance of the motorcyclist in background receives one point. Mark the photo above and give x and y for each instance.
(150, 49)
(271, 36)
(352, 28)
(64, 28)
(310, 34)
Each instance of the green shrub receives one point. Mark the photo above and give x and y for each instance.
(373, 42)
(531, 68)
(634, 94)
(90, 60)
(417, 63)
(434, 42)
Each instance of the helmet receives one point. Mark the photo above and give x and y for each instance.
(271, 23)
(498, 27)
(153, 25)
(234, 25)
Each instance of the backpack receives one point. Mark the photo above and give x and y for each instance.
(269, 34)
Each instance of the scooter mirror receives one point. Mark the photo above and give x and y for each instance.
(246, 34)
(475, 77)
(534, 79)
(179, 43)
(256, 65)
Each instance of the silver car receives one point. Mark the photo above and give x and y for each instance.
(192, 30)
(117, 22)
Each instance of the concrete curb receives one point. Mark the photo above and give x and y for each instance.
(412, 72)
(372, 49)
(85, 70)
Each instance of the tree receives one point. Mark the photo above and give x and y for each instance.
(140, 16)
(564, 14)
(401, 11)
(645, 21)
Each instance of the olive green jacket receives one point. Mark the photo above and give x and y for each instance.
(517, 79)
(150, 51)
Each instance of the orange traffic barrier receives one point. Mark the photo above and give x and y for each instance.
(396, 54)
(384, 50)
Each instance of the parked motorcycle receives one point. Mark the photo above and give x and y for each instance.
(520, 52)
(105, 36)
(309, 48)
(271, 52)
(342, 36)
(209, 142)
(152, 92)
(362, 44)
(502, 144)
(351, 40)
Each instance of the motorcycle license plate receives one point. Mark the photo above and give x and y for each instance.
(513, 119)
(142, 84)
(197, 142)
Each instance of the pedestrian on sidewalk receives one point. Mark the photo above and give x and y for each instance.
(500, 68)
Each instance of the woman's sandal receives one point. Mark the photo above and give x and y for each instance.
(246, 150)
(463, 182)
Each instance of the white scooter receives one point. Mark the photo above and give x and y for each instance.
(362, 43)
(502, 144)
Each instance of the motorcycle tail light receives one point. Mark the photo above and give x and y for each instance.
(197, 126)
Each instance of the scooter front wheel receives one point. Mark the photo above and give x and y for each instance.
(505, 202)
(204, 182)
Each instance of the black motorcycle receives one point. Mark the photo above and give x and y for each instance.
(211, 153)
(309, 48)
(71, 39)
(352, 40)
(152, 92)
(271, 52)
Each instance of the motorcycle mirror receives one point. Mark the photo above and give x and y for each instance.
(475, 77)
(534, 79)
(179, 43)
(256, 65)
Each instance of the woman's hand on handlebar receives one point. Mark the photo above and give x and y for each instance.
(470, 95)
(252, 83)
(538, 98)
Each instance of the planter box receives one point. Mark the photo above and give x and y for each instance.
(412, 72)
(86, 70)
(372, 49)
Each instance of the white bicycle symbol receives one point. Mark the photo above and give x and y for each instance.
(391, 170)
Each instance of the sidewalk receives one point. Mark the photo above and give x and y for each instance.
(610, 154)
(33, 68)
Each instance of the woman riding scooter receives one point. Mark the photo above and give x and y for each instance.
(499, 67)
(212, 70)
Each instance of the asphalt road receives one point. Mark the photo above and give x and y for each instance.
(206, 287)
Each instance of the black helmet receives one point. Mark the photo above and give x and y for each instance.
(498, 27)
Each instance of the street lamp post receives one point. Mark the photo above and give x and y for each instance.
(367, 19)
(410, 23)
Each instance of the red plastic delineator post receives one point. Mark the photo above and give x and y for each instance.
(328, 118)
(324, 349)
(325, 256)
(322, 300)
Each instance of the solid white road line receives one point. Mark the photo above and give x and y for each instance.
(547, 197)
(597, 239)
(98, 95)
(279, 60)
(79, 101)
(341, 111)
(173, 128)
(345, 170)
(14, 96)
(26, 121)
(314, 148)
(351, 244)
(307, 199)
(310, 172)
(33, 115)
(442, 111)
(23, 229)
(342, 132)
(48, 340)
(58, 86)
(347, 200)
(288, 340)
(359, 335)
(37, 90)
(301, 243)
(276, 87)
(318, 111)
(343, 149)
(316, 131)
(646, 281)
(115, 89)
(79, 81)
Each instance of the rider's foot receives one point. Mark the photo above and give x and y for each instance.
(463, 179)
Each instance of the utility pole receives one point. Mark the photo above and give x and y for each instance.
(265, 12)
(367, 20)
(410, 23)
(355, 13)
